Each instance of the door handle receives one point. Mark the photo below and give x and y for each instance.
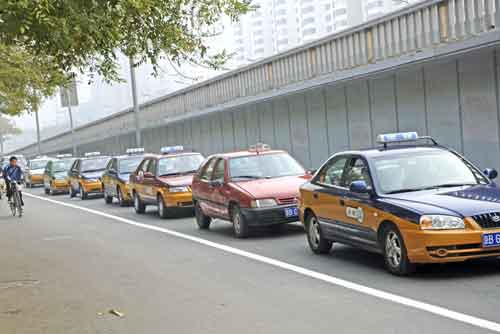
(315, 195)
(342, 202)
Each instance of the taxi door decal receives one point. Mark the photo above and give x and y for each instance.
(355, 213)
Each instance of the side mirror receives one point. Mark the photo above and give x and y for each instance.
(311, 171)
(216, 183)
(491, 173)
(359, 187)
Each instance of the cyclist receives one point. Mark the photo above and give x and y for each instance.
(12, 172)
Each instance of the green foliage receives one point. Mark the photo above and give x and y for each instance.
(85, 35)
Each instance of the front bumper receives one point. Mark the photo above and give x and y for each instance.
(92, 187)
(59, 185)
(178, 200)
(447, 246)
(268, 216)
(35, 179)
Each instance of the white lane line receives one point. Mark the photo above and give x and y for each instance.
(430, 308)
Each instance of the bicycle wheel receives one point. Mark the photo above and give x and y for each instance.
(13, 206)
(18, 204)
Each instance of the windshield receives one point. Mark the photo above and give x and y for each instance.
(61, 166)
(38, 164)
(420, 171)
(96, 164)
(264, 166)
(180, 164)
(128, 165)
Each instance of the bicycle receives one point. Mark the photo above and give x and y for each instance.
(15, 202)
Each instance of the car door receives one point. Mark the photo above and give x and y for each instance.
(204, 189)
(74, 173)
(359, 213)
(328, 193)
(138, 177)
(149, 181)
(46, 174)
(108, 178)
(219, 190)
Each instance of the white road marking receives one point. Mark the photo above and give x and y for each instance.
(423, 306)
(58, 237)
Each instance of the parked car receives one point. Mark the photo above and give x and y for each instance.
(116, 177)
(85, 175)
(257, 187)
(55, 176)
(33, 174)
(165, 180)
(413, 203)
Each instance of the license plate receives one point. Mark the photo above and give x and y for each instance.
(491, 239)
(291, 212)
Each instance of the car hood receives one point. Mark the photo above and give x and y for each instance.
(93, 175)
(175, 181)
(465, 201)
(280, 187)
(39, 171)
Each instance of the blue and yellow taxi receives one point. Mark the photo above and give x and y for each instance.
(55, 176)
(85, 175)
(115, 179)
(410, 199)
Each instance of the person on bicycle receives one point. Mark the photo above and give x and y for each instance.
(13, 173)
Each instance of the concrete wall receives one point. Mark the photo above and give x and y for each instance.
(456, 101)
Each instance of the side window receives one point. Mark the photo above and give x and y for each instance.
(143, 165)
(331, 174)
(218, 174)
(76, 165)
(114, 164)
(152, 167)
(109, 165)
(356, 171)
(208, 169)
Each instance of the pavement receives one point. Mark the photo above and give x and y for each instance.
(63, 269)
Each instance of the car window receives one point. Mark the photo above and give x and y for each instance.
(143, 166)
(128, 165)
(264, 166)
(218, 174)
(94, 164)
(179, 164)
(356, 171)
(331, 174)
(151, 167)
(208, 169)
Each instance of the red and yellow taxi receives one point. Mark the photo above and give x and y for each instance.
(116, 177)
(164, 180)
(412, 202)
(85, 175)
(55, 176)
(257, 187)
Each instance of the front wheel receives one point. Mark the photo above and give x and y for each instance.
(315, 237)
(47, 191)
(162, 209)
(107, 198)
(202, 220)
(240, 225)
(72, 192)
(139, 206)
(395, 254)
(119, 194)
(83, 194)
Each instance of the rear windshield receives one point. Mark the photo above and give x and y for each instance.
(38, 164)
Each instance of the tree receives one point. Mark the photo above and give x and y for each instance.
(85, 36)
(7, 128)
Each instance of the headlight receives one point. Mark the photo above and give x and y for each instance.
(441, 222)
(178, 189)
(263, 203)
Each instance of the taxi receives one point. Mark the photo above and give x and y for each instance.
(85, 175)
(257, 187)
(409, 200)
(33, 174)
(55, 175)
(165, 181)
(115, 179)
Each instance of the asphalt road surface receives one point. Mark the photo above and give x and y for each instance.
(63, 269)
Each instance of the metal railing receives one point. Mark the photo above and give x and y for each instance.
(407, 31)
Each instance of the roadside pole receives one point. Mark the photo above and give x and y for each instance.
(69, 98)
(39, 147)
(138, 139)
(73, 144)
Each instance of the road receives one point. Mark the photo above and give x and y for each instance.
(64, 268)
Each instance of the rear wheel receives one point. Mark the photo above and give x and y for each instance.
(315, 237)
(119, 194)
(83, 194)
(395, 254)
(162, 209)
(72, 192)
(240, 225)
(139, 206)
(107, 198)
(202, 220)
(47, 191)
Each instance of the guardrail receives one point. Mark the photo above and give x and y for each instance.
(408, 31)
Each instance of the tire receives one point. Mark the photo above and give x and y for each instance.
(72, 192)
(395, 254)
(139, 206)
(119, 194)
(202, 220)
(47, 191)
(315, 238)
(162, 209)
(240, 225)
(83, 195)
(108, 199)
(17, 204)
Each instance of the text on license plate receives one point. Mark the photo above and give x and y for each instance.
(291, 212)
(491, 239)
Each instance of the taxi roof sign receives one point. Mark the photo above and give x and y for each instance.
(397, 137)
(136, 150)
(172, 149)
(92, 154)
(259, 147)
(60, 156)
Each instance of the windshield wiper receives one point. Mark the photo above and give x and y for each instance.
(247, 177)
(170, 174)
(446, 185)
(407, 190)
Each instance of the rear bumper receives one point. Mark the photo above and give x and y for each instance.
(268, 216)
(35, 179)
(447, 246)
(59, 185)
